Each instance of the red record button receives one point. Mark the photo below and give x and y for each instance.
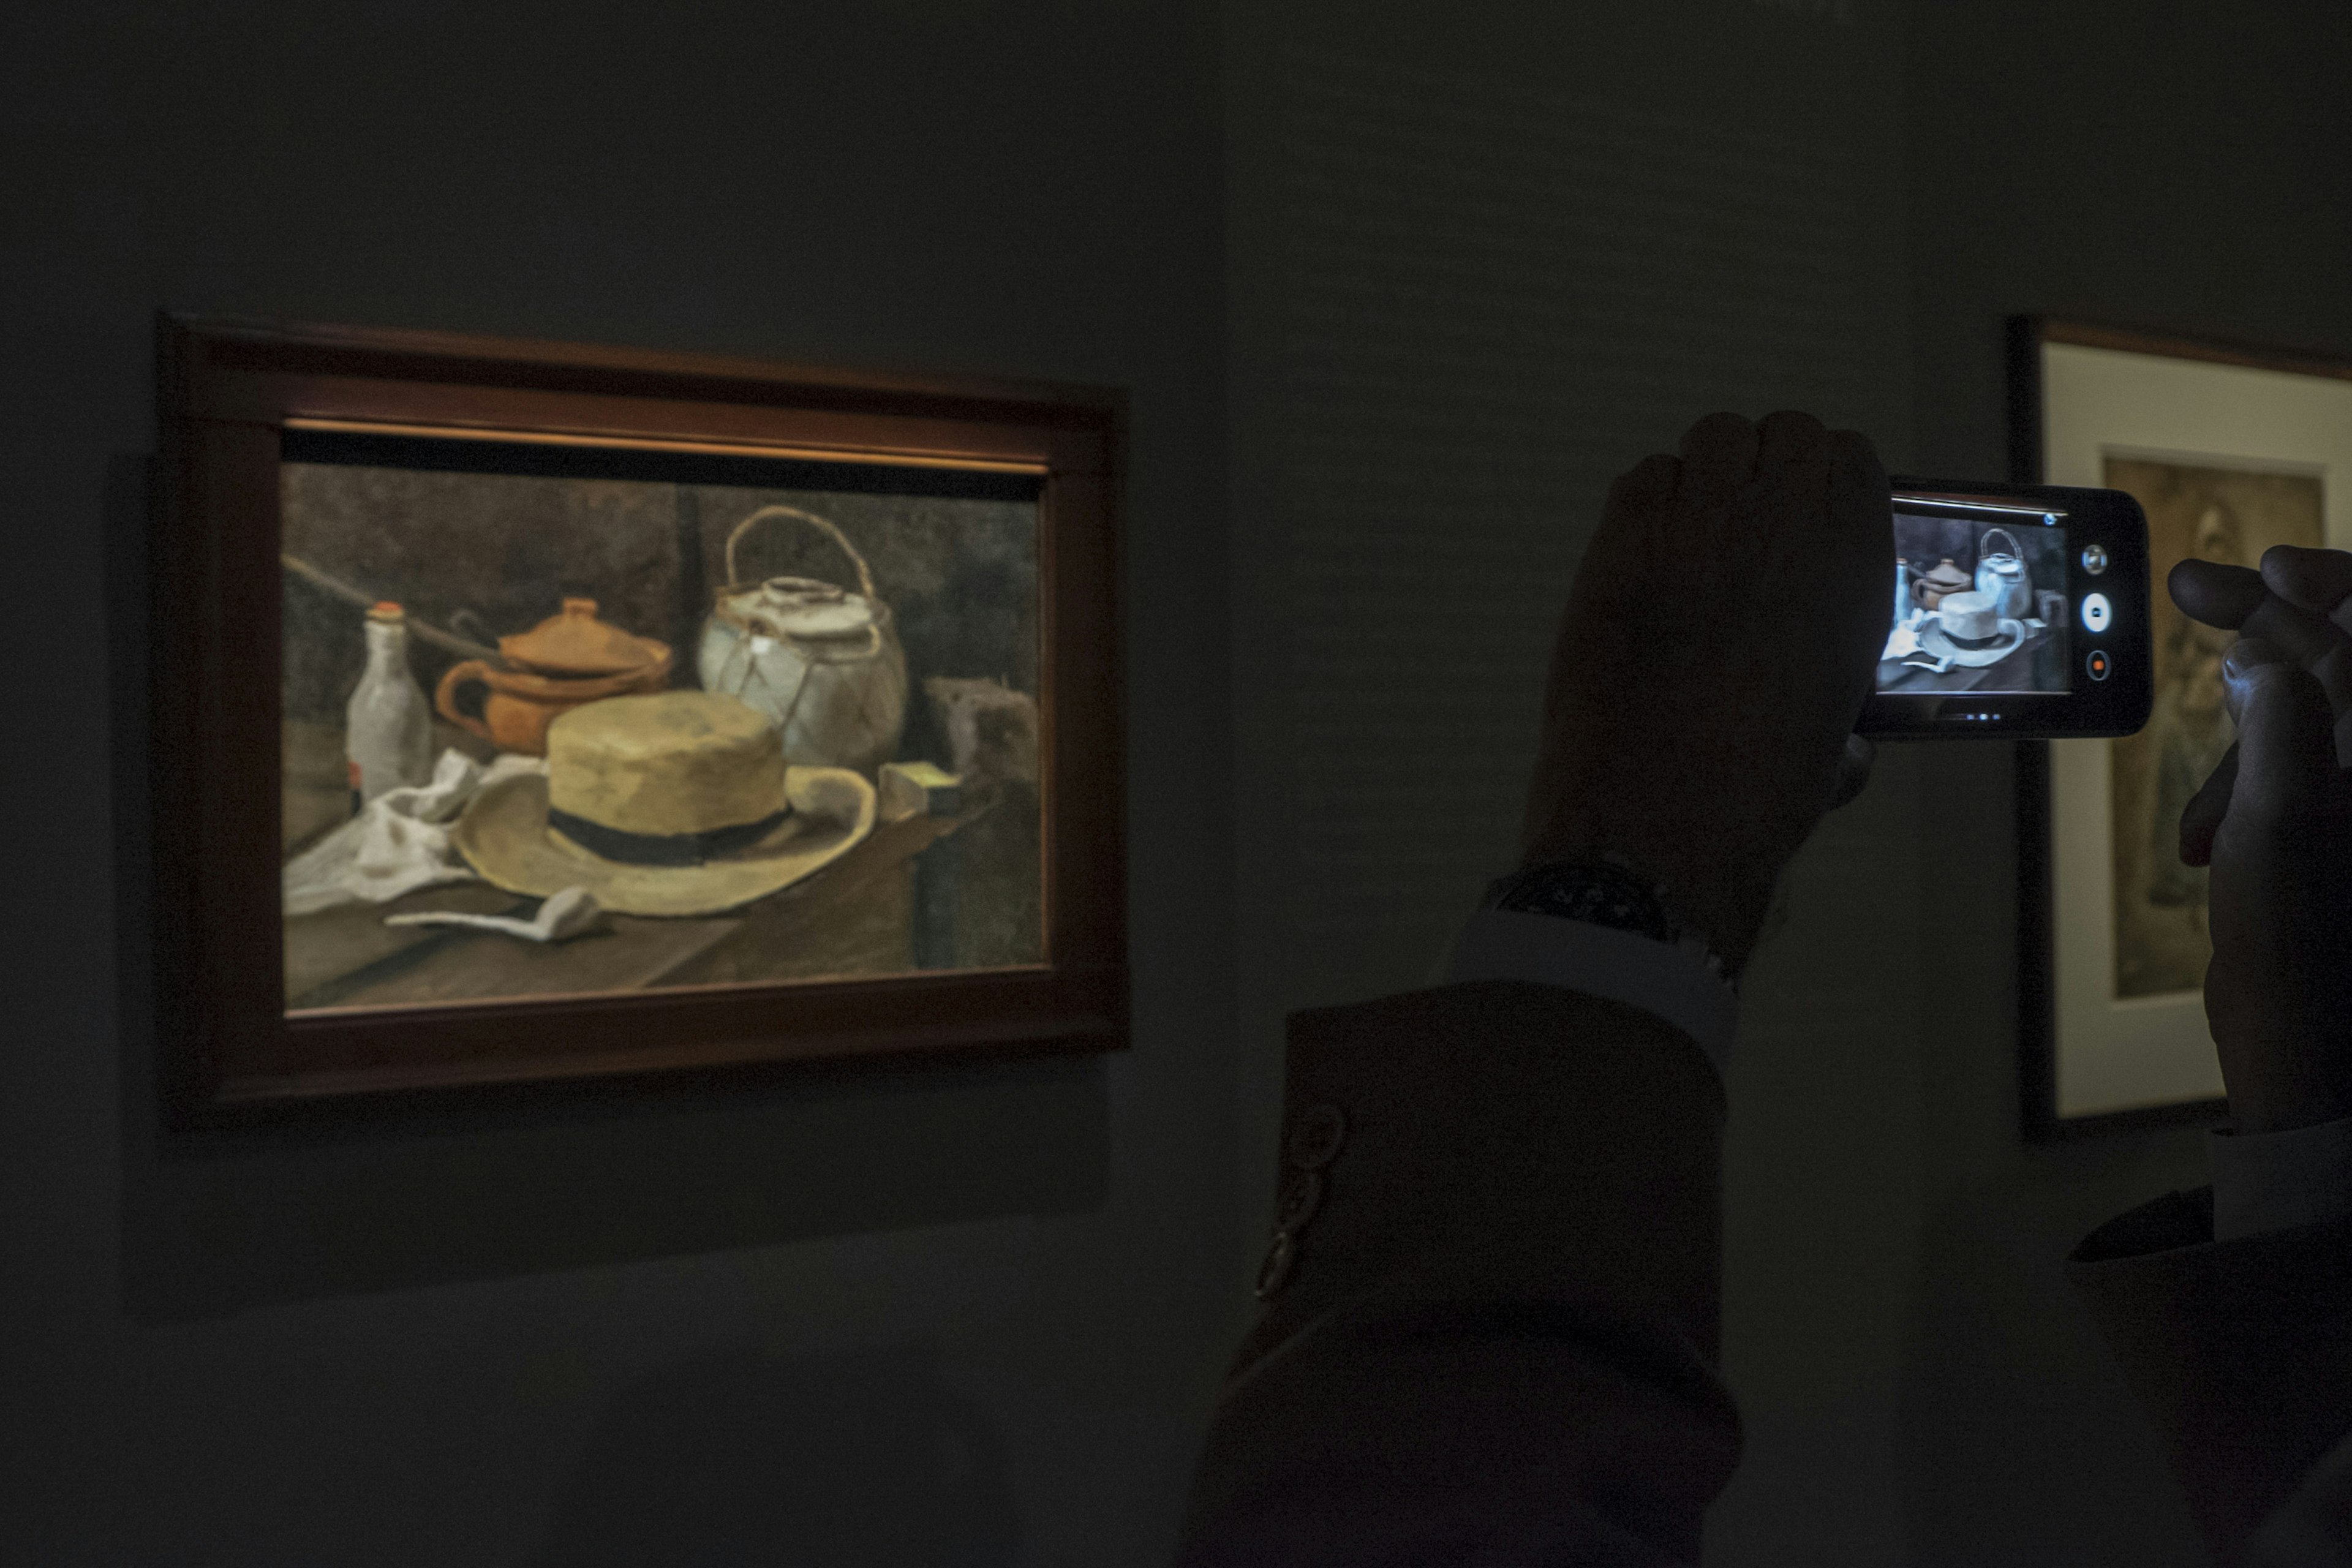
(2097, 664)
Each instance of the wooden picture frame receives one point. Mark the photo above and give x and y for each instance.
(2229, 447)
(237, 398)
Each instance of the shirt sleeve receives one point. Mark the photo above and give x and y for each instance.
(1615, 965)
(2267, 1181)
(2276, 1181)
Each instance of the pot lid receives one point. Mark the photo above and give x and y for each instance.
(1946, 577)
(575, 642)
(801, 607)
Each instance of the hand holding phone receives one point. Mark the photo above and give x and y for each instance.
(1716, 646)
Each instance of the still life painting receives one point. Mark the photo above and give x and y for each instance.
(523, 719)
(2195, 511)
(558, 725)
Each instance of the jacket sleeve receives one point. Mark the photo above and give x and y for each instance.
(1492, 1295)
(2241, 1352)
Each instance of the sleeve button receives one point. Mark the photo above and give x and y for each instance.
(1274, 1272)
(1315, 1138)
(1302, 1194)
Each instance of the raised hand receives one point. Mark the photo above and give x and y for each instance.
(2300, 602)
(1715, 653)
(2278, 995)
(2275, 824)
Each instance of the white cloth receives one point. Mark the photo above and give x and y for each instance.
(2268, 1180)
(1600, 961)
(398, 843)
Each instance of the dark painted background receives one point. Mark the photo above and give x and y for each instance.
(1395, 292)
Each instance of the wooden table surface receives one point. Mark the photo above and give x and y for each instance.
(864, 914)
(2016, 672)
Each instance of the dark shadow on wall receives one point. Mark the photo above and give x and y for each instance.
(504, 1184)
(868, 1459)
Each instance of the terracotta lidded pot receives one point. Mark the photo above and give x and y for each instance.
(1947, 578)
(569, 659)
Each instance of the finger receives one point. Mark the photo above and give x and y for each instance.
(1792, 451)
(2242, 658)
(2286, 743)
(2301, 638)
(2216, 594)
(2317, 644)
(1857, 544)
(1639, 500)
(1861, 505)
(2319, 581)
(1718, 456)
(1862, 509)
(2282, 633)
(1648, 483)
(2201, 818)
(1852, 770)
(1857, 474)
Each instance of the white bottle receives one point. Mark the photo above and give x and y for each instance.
(388, 727)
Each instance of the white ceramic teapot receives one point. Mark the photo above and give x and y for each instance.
(2001, 575)
(822, 663)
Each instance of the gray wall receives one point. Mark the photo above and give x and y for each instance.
(973, 1317)
(1395, 297)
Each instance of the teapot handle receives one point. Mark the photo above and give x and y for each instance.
(444, 695)
(865, 577)
(1984, 545)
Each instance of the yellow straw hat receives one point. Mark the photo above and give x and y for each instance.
(674, 804)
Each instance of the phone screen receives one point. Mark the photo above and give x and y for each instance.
(1980, 599)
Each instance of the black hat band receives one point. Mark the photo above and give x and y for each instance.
(662, 849)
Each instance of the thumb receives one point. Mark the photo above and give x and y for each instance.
(1852, 770)
(2287, 736)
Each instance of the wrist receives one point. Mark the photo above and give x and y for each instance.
(1724, 905)
(1606, 887)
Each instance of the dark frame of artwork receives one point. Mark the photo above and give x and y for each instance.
(230, 393)
(2038, 1025)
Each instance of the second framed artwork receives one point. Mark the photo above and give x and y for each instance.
(2229, 450)
(532, 711)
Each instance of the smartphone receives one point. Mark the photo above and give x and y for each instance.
(2019, 611)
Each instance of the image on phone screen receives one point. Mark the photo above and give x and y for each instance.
(1981, 601)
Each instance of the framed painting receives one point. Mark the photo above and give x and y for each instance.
(2230, 450)
(527, 712)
